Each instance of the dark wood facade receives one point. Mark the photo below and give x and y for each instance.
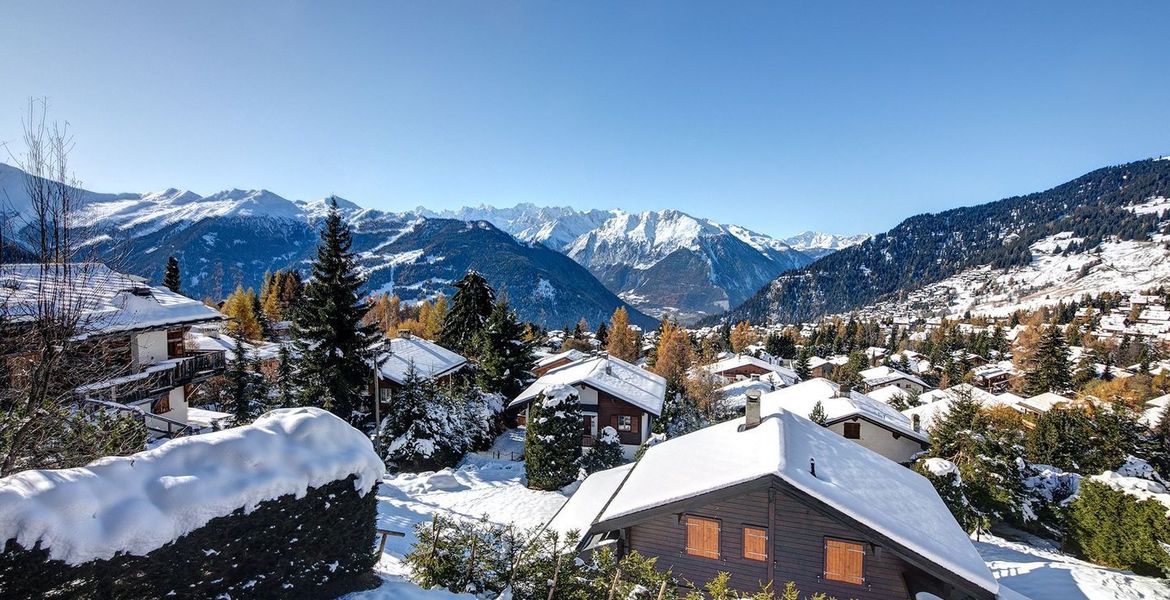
(745, 370)
(798, 528)
(610, 409)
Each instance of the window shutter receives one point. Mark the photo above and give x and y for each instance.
(635, 423)
(844, 561)
(755, 543)
(702, 537)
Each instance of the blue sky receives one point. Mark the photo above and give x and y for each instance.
(836, 116)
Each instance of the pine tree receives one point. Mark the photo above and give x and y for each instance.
(552, 443)
(803, 366)
(623, 340)
(246, 390)
(285, 396)
(602, 334)
(171, 279)
(505, 356)
(1050, 370)
(470, 308)
(818, 415)
(332, 343)
(606, 452)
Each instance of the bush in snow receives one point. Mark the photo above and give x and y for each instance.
(1119, 529)
(606, 452)
(948, 482)
(552, 443)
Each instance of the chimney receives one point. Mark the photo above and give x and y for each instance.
(812, 466)
(752, 410)
(404, 334)
(844, 390)
(916, 420)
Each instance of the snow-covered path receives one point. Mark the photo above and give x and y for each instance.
(1047, 575)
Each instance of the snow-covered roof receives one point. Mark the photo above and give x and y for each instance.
(802, 397)
(888, 393)
(743, 360)
(569, 355)
(202, 341)
(608, 374)
(877, 492)
(584, 506)
(735, 393)
(1045, 402)
(106, 301)
(397, 355)
(882, 375)
(138, 503)
(203, 417)
(937, 403)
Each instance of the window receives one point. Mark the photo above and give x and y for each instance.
(625, 423)
(161, 406)
(755, 543)
(844, 561)
(853, 431)
(702, 537)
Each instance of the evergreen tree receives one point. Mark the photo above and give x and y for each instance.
(505, 355)
(285, 396)
(552, 442)
(606, 452)
(680, 415)
(803, 368)
(424, 428)
(602, 334)
(171, 279)
(246, 388)
(332, 343)
(818, 415)
(1050, 370)
(470, 308)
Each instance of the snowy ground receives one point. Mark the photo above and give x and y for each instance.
(482, 486)
(1048, 575)
(494, 488)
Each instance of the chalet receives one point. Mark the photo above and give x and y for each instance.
(559, 359)
(825, 367)
(780, 499)
(1042, 403)
(138, 331)
(993, 377)
(936, 404)
(611, 392)
(743, 366)
(397, 357)
(854, 416)
(880, 377)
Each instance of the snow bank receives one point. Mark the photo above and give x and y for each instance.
(139, 503)
(940, 467)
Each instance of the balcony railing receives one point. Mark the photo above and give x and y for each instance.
(154, 380)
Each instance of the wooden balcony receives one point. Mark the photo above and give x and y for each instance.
(157, 379)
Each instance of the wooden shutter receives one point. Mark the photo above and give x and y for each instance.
(844, 561)
(755, 543)
(702, 537)
(853, 431)
(635, 422)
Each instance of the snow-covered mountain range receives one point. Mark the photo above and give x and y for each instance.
(664, 262)
(817, 244)
(233, 237)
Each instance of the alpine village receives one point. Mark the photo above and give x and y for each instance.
(238, 395)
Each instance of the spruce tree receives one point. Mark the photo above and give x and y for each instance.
(470, 308)
(171, 279)
(332, 343)
(602, 334)
(285, 396)
(505, 354)
(1050, 371)
(803, 367)
(245, 389)
(552, 442)
(818, 415)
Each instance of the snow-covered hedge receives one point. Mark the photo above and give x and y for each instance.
(277, 508)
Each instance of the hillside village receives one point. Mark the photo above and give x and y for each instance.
(672, 462)
(630, 392)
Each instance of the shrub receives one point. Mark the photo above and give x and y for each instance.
(1113, 528)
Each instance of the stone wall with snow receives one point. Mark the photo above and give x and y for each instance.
(279, 508)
